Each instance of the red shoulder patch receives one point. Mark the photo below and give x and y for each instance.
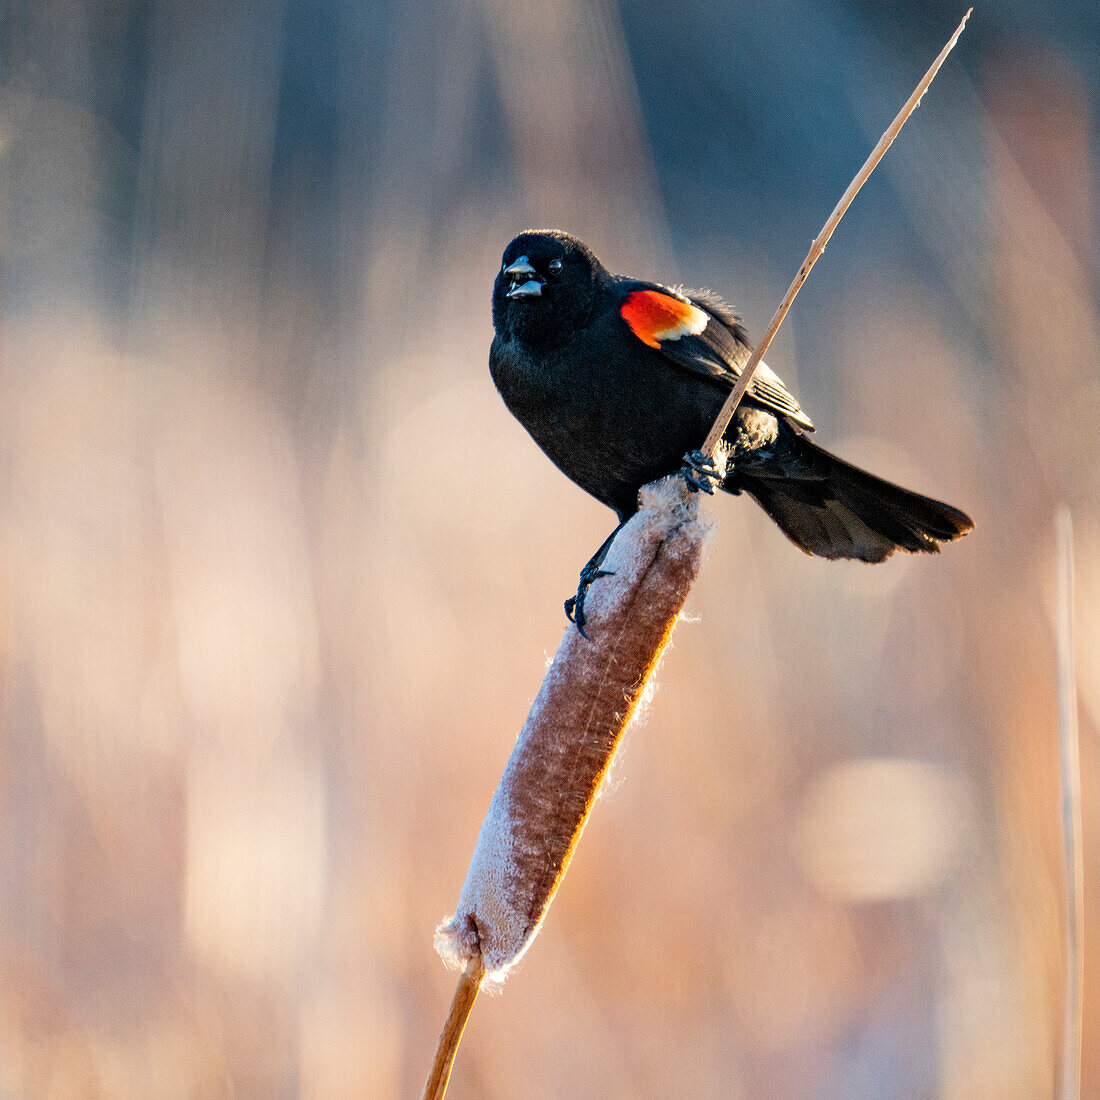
(654, 316)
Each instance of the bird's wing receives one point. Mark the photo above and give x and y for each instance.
(698, 332)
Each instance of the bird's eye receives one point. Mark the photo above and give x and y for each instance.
(555, 266)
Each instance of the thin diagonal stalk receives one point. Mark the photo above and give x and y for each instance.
(730, 407)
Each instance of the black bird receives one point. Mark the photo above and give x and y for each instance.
(616, 378)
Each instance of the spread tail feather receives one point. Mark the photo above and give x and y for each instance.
(832, 509)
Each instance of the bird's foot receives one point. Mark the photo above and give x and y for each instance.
(701, 472)
(574, 606)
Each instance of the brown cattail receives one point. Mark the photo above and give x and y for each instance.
(590, 694)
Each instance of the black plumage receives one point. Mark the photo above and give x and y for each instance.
(616, 378)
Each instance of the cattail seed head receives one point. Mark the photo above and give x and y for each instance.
(591, 692)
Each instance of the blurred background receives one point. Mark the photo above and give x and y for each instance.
(280, 574)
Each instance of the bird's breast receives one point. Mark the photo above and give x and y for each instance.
(525, 381)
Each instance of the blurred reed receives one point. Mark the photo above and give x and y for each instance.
(1069, 761)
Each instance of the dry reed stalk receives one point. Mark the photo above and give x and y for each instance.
(714, 437)
(1069, 758)
(588, 698)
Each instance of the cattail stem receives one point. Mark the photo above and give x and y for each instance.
(714, 437)
(469, 985)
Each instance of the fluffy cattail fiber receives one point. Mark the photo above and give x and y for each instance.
(590, 694)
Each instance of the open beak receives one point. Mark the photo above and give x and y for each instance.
(525, 280)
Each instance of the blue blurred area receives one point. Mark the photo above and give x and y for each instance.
(756, 117)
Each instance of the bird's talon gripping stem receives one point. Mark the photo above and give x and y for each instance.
(574, 612)
(701, 472)
(574, 606)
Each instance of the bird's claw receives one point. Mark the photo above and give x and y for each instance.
(701, 472)
(574, 606)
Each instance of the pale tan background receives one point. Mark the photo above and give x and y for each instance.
(280, 574)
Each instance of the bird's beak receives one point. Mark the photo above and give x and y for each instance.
(525, 280)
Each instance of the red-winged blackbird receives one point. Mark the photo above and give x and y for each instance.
(616, 378)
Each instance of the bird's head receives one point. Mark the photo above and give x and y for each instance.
(545, 288)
